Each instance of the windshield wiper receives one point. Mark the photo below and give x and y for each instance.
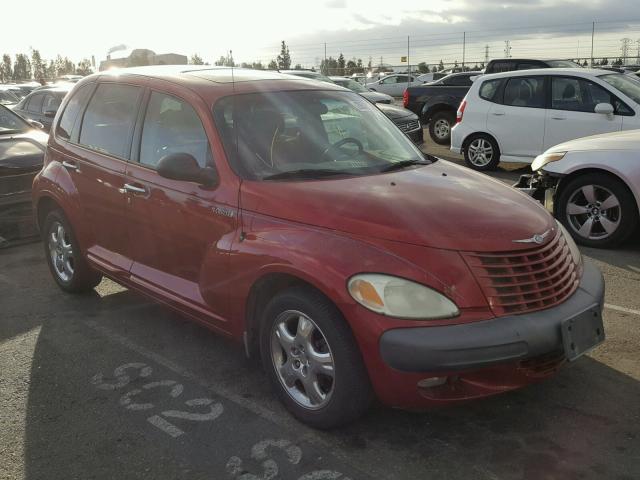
(403, 164)
(306, 173)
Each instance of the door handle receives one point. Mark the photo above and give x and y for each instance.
(70, 166)
(498, 114)
(133, 189)
(558, 118)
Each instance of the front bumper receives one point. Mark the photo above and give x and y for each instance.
(540, 186)
(503, 340)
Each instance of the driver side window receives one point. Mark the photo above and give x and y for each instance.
(172, 126)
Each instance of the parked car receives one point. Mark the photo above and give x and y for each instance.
(516, 116)
(436, 103)
(22, 148)
(7, 97)
(393, 85)
(591, 185)
(512, 64)
(15, 89)
(290, 216)
(374, 97)
(404, 119)
(42, 104)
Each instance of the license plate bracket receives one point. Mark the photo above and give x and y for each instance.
(582, 332)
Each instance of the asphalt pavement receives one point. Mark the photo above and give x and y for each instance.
(112, 386)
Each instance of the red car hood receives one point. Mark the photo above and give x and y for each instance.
(440, 205)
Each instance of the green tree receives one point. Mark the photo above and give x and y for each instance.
(225, 61)
(38, 66)
(423, 67)
(440, 66)
(21, 68)
(604, 61)
(284, 59)
(6, 71)
(257, 65)
(297, 67)
(359, 64)
(84, 67)
(341, 62)
(273, 65)
(196, 59)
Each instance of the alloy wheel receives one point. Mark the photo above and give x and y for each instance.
(302, 359)
(593, 212)
(61, 252)
(480, 152)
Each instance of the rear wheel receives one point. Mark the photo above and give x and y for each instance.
(312, 360)
(70, 270)
(440, 127)
(598, 210)
(481, 153)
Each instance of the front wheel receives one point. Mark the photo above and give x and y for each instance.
(481, 153)
(70, 270)
(598, 210)
(312, 359)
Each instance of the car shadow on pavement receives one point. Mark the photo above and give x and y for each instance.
(581, 424)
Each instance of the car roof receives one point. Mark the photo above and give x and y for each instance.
(211, 82)
(574, 72)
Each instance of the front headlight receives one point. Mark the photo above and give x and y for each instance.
(573, 248)
(400, 298)
(541, 160)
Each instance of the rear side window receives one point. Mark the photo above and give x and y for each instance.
(497, 67)
(489, 90)
(529, 65)
(75, 104)
(108, 122)
(35, 104)
(525, 92)
(51, 103)
(172, 126)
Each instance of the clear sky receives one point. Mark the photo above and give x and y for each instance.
(362, 28)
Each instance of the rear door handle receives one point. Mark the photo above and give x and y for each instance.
(558, 118)
(70, 165)
(498, 114)
(134, 189)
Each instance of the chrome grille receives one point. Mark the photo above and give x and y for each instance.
(409, 126)
(526, 280)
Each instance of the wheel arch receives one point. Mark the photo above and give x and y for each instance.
(431, 110)
(44, 205)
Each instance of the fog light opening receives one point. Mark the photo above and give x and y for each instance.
(432, 382)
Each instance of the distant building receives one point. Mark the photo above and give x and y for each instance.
(140, 57)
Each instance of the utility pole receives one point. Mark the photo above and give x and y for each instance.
(507, 48)
(408, 62)
(486, 54)
(593, 34)
(326, 70)
(464, 47)
(638, 56)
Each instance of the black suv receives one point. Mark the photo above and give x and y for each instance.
(511, 64)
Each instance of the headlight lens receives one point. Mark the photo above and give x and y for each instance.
(400, 298)
(573, 248)
(541, 160)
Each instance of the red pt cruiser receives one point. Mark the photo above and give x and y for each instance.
(295, 217)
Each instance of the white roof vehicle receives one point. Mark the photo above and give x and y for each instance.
(515, 116)
(591, 185)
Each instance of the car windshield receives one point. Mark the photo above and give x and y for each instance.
(353, 86)
(625, 83)
(310, 134)
(563, 64)
(11, 123)
(7, 98)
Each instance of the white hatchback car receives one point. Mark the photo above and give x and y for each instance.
(592, 185)
(515, 116)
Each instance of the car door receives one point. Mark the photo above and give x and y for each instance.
(518, 122)
(571, 114)
(180, 230)
(387, 85)
(95, 156)
(33, 108)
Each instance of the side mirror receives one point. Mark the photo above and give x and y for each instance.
(35, 124)
(50, 113)
(182, 166)
(604, 109)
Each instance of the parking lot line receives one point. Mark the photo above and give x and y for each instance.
(622, 309)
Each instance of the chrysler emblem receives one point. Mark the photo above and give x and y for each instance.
(538, 238)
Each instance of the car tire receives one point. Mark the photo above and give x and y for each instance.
(481, 152)
(580, 209)
(299, 327)
(68, 266)
(440, 127)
